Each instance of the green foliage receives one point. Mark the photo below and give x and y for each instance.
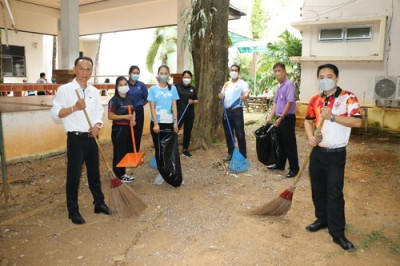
(163, 45)
(258, 19)
(285, 47)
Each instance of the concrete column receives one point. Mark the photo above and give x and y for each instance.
(68, 33)
(182, 50)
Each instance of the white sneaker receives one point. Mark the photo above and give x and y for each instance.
(127, 178)
(158, 180)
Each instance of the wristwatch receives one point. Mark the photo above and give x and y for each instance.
(333, 118)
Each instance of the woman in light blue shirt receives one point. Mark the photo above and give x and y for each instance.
(164, 114)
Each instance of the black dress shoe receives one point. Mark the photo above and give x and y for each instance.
(274, 167)
(290, 174)
(102, 208)
(76, 218)
(227, 159)
(316, 226)
(343, 242)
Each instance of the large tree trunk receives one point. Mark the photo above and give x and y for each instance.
(210, 59)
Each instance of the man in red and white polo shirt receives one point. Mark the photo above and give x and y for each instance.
(341, 112)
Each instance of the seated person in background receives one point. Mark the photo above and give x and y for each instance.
(268, 94)
(42, 79)
(104, 92)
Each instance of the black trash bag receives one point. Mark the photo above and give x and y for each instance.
(267, 144)
(169, 163)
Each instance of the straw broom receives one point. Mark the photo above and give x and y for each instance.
(124, 202)
(281, 205)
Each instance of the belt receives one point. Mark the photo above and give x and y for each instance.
(234, 110)
(287, 115)
(81, 134)
(322, 149)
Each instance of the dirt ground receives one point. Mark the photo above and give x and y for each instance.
(202, 222)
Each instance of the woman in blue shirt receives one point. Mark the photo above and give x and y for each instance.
(138, 94)
(122, 120)
(164, 113)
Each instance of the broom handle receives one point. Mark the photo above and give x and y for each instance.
(310, 149)
(132, 133)
(97, 142)
(183, 114)
(229, 124)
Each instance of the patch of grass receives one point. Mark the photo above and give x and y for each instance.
(378, 173)
(377, 239)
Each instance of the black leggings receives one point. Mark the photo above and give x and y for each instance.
(187, 130)
(122, 144)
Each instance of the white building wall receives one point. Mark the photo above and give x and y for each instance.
(33, 44)
(356, 76)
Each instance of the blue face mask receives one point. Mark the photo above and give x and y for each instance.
(134, 77)
(163, 78)
(327, 84)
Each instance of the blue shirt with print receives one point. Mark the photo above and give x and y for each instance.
(162, 98)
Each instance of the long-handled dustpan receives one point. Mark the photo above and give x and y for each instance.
(132, 159)
(238, 162)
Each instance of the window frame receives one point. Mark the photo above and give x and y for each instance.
(346, 38)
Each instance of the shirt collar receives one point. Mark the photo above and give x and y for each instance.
(336, 94)
(76, 84)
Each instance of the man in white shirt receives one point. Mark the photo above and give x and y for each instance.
(81, 145)
(233, 94)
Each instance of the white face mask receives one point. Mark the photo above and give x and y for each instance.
(327, 84)
(123, 89)
(234, 74)
(186, 81)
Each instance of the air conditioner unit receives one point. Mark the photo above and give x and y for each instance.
(386, 88)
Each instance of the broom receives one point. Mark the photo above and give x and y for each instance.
(152, 161)
(281, 205)
(238, 163)
(124, 202)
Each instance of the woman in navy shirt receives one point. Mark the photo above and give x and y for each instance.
(122, 120)
(138, 95)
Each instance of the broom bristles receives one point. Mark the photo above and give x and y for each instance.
(124, 202)
(276, 207)
(238, 163)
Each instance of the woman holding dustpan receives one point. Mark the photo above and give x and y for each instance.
(122, 120)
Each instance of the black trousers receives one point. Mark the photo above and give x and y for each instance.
(138, 128)
(155, 136)
(122, 144)
(82, 149)
(286, 133)
(187, 130)
(327, 178)
(237, 125)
